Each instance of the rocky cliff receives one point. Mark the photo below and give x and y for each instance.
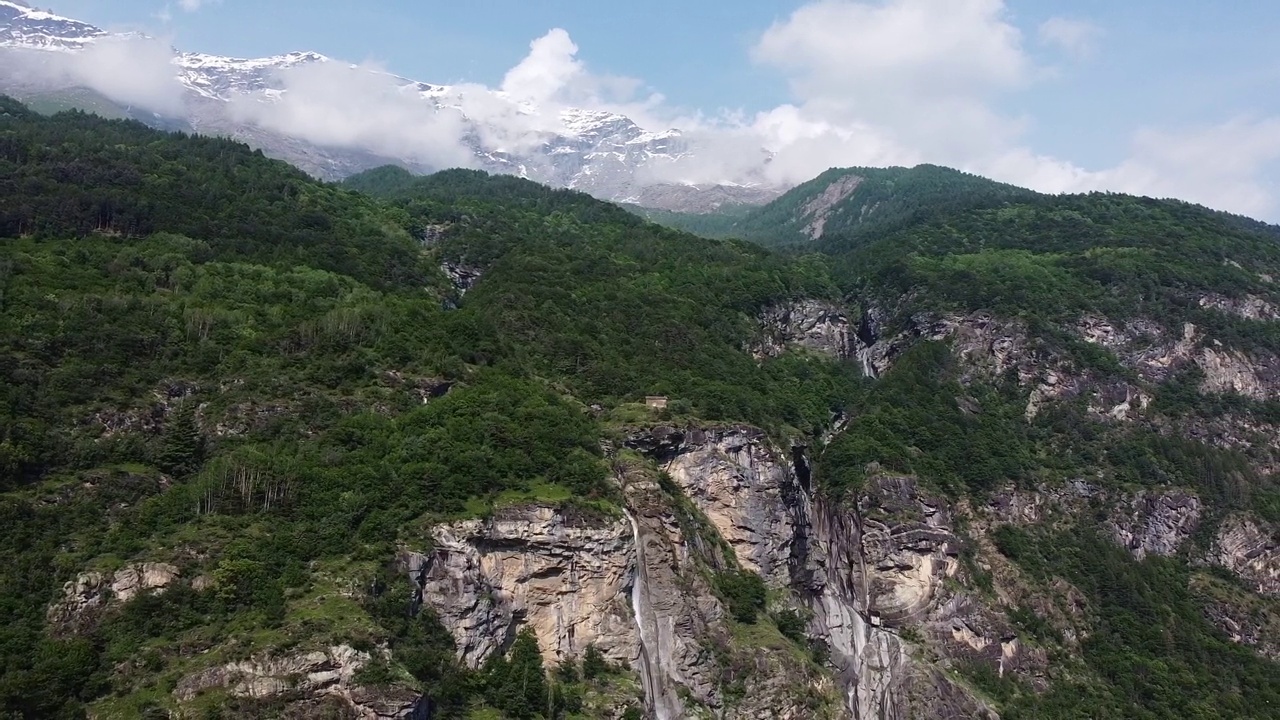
(641, 587)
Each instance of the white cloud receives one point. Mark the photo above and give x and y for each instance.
(194, 5)
(129, 69)
(895, 82)
(550, 67)
(1223, 166)
(904, 48)
(874, 82)
(337, 105)
(133, 70)
(1077, 38)
(908, 81)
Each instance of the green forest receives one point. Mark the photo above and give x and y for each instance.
(209, 357)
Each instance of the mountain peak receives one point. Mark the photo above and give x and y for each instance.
(598, 151)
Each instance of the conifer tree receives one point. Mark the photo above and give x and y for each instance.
(182, 448)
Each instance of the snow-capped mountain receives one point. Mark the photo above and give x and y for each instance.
(24, 26)
(264, 103)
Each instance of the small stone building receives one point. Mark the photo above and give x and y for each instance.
(657, 402)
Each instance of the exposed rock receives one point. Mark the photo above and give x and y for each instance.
(1142, 345)
(1251, 549)
(1030, 508)
(246, 417)
(91, 593)
(423, 389)
(463, 277)
(1232, 371)
(1155, 523)
(1249, 307)
(908, 548)
(861, 571)
(563, 574)
(134, 579)
(742, 486)
(1155, 355)
(818, 210)
(813, 325)
(1258, 441)
(1245, 618)
(308, 677)
(149, 418)
(678, 618)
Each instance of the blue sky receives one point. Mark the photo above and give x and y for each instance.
(1139, 95)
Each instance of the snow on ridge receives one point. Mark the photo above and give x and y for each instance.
(31, 13)
(204, 61)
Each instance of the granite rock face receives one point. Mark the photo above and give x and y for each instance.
(860, 572)
(814, 325)
(564, 575)
(741, 483)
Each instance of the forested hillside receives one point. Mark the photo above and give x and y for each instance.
(851, 203)
(210, 360)
(276, 448)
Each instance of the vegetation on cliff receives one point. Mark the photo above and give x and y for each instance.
(209, 360)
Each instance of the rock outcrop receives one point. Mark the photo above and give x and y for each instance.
(1155, 523)
(813, 325)
(817, 211)
(1249, 307)
(91, 593)
(1250, 549)
(743, 486)
(861, 572)
(311, 680)
(463, 277)
(565, 574)
(1245, 618)
(908, 546)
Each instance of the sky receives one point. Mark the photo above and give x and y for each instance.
(1162, 97)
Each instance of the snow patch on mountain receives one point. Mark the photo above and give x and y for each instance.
(601, 152)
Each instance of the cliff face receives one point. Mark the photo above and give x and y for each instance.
(639, 587)
(812, 325)
(888, 597)
(565, 576)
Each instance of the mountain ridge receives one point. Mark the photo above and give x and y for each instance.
(272, 447)
(600, 152)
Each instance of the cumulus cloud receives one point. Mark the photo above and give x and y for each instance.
(908, 81)
(551, 67)
(1077, 38)
(884, 83)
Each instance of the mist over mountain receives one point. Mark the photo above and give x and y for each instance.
(741, 437)
(333, 119)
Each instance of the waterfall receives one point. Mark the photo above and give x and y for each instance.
(658, 702)
(864, 357)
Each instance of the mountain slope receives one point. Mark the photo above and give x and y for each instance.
(329, 455)
(851, 203)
